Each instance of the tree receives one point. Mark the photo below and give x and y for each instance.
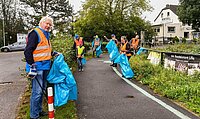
(11, 17)
(104, 17)
(189, 13)
(60, 10)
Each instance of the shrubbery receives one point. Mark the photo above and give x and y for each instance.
(169, 83)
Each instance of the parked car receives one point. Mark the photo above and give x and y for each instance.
(17, 46)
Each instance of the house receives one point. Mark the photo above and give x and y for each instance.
(167, 26)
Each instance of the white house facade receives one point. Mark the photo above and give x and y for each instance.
(167, 26)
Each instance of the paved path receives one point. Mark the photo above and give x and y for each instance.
(12, 84)
(104, 95)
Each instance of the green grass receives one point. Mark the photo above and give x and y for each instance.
(67, 111)
(172, 84)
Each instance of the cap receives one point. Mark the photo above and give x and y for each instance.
(76, 36)
(96, 36)
(113, 35)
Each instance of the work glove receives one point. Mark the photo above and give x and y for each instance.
(32, 72)
(55, 54)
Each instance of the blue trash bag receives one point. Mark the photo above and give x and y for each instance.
(110, 46)
(83, 60)
(65, 87)
(114, 54)
(126, 70)
(98, 50)
(141, 50)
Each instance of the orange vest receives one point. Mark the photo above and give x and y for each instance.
(78, 42)
(96, 42)
(135, 43)
(43, 49)
(123, 48)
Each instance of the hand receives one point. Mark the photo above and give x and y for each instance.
(32, 72)
(55, 54)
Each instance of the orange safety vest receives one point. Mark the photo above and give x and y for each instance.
(96, 42)
(78, 42)
(135, 43)
(43, 49)
(123, 47)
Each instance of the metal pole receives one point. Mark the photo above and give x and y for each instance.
(4, 40)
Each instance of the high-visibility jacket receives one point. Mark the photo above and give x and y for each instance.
(96, 41)
(43, 49)
(79, 42)
(80, 50)
(123, 48)
(135, 43)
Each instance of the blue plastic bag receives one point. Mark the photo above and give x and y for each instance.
(83, 60)
(98, 49)
(126, 70)
(64, 83)
(114, 54)
(141, 49)
(110, 46)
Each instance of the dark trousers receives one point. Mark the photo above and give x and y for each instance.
(80, 65)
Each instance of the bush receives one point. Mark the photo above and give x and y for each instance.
(183, 40)
(167, 82)
(175, 39)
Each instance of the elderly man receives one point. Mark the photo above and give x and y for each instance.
(38, 53)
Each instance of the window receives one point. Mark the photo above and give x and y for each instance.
(158, 30)
(186, 34)
(167, 13)
(162, 15)
(171, 29)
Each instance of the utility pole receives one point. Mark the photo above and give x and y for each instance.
(4, 39)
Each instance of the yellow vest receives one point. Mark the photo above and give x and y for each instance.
(80, 50)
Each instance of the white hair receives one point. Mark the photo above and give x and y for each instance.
(45, 18)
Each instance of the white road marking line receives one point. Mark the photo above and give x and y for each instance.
(107, 62)
(100, 60)
(176, 112)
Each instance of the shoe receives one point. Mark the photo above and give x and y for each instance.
(79, 70)
(43, 113)
(35, 118)
(82, 70)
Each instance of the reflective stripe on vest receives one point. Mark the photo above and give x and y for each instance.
(43, 49)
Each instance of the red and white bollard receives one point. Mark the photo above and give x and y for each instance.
(50, 103)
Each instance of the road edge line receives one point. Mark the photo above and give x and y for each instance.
(168, 107)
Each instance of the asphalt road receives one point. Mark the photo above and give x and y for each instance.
(12, 84)
(104, 95)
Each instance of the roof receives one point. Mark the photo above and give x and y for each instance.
(173, 8)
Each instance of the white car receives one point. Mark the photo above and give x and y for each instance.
(17, 46)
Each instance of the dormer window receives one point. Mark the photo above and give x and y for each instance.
(167, 13)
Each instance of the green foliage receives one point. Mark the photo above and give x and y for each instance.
(184, 48)
(189, 12)
(175, 39)
(104, 17)
(64, 44)
(60, 10)
(169, 83)
(183, 40)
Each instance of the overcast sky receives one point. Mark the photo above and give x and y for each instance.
(158, 5)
